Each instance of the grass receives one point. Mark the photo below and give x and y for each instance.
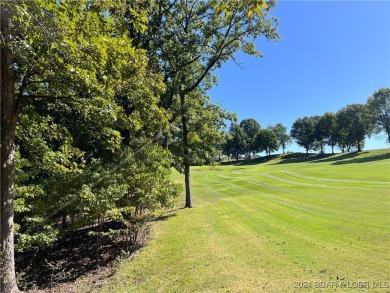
(277, 226)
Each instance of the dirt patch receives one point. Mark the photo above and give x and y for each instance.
(57, 267)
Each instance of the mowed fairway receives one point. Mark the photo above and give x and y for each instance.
(276, 226)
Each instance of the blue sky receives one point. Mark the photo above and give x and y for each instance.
(331, 54)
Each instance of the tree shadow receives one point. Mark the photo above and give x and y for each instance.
(166, 217)
(363, 159)
(341, 157)
(248, 162)
(231, 162)
(301, 158)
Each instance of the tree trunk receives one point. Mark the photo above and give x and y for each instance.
(359, 146)
(388, 133)
(187, 174)
(8, 115)
(188, 185)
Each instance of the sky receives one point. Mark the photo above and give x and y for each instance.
(331, 54)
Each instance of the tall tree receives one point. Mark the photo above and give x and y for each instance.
(352, 127)
(319, 134)
(251, 128)
(187, 40)
(51, 50)
(326, 128)
(266, 140)
(236, 142)
(7, 158)
(378, 111)
(281, 132)
(303, 131)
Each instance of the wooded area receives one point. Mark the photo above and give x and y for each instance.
(100, 99)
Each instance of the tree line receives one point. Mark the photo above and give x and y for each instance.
(247, 139)
(99, 99)
(347, 129)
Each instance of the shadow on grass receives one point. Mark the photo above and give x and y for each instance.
(249, 162)
(302, 158)
(335, 159)
(166, 217)
(341, 157)
(363, 159)
(231, 162)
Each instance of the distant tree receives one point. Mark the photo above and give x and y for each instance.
(251, 127)
(320, 133)
(237, 140)
(352, 127)
(227, 148)
(303, 131)
(266, 140)
(326, 129)
(378, 111)
(281, 132)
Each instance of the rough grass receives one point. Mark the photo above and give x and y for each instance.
(277, 226)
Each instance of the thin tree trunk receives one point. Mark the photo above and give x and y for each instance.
(187, 171)
(188, 185)
(8, 115)
(388, 133)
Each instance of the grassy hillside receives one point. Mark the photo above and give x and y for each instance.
(276, 226)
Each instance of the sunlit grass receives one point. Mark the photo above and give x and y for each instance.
(269, 226)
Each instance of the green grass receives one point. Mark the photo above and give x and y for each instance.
(265, 227)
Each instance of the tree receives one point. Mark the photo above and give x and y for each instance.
(52, 51)
(281, 132)
(319, 134)
(206, 126)
(352, 127)
(187, 40)
(266, 140)
(378, 111)
(303, 132)
(236, 143)
(251, 127)
(326, 129)
(227, 147)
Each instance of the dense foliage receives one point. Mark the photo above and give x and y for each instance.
(100, 99)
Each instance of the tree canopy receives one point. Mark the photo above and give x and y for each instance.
(303, 132)
(378, 111)
(266, 140)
